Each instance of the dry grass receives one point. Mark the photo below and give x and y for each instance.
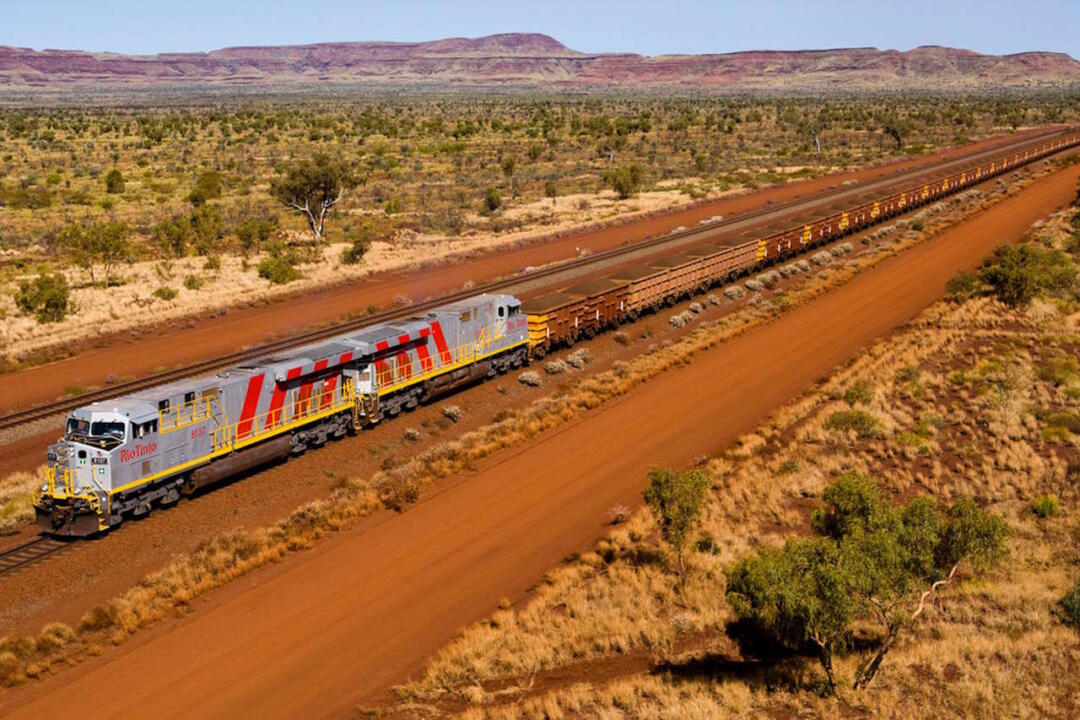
(16, 496)
(989, 649)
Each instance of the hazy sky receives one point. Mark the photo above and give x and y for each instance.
(660, 26)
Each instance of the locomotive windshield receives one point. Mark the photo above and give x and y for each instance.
(114, 430)
(76, 426)
(105, 434)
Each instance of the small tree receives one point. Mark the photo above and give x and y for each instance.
(312, 187)
(551, 190)
(361, 238)
(206, 229)
(625, 180)
(895, 128)
(508, 165)
(46, 297)
(870, 563)
(93, 244)
(1016, 274)
(675, 499)
(799, 594)
(1070, 606)
(173, 235)
(255, 231)
(279, 266)
(114, 182)
(492, 201)
(207, 187)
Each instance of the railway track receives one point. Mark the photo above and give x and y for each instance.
(29, 553)
(57, 407)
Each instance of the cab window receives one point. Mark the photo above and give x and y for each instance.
(502, 311)
(107, 429)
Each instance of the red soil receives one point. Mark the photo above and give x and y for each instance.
(139, 354)
(315, 636)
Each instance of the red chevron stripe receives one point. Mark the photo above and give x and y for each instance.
(331, 382)
(273, 417)
(382, 369)
(440, 343)
(251, 404)
(422, 351)
(304, 397)
(404, 362)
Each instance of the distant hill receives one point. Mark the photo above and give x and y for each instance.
(528, 60)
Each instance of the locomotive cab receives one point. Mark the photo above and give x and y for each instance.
(94, 439)
(79, 476)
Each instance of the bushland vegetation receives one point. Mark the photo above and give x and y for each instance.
(182, 180)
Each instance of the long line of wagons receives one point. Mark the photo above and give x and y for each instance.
(120, 458)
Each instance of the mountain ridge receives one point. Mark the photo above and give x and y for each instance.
(538, 61)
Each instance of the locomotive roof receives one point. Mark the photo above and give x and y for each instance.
(475, 301)
(145, 402)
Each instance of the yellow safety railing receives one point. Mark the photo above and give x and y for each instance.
(393, 377)
(182, 416)
(299, 410)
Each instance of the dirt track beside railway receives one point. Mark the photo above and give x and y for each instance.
(141, 354)
(318, 634)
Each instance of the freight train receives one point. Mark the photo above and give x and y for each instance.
(120, 458)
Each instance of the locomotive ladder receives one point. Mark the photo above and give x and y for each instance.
(221, 420)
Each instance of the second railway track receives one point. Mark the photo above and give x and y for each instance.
(56, 407)
(28, 553)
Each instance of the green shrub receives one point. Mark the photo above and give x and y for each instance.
(626, 181)
(862, 423)
(965, 284)
(907, 374)
(1045, 506)
(173, 235)
(192, 282)
(1016, 274)
(862, 392)
(114, 182)
(46, 297)
(166, 293)
(1059, 370)
(492, 201)
(355, 252)
(707, 544)
(1067, 420)
(1070, 606)
(279, 268)
(207, 187)
(253, 232)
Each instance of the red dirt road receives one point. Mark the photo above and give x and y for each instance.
(322, 632)
(140, 353)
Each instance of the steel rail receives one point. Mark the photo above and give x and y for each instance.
(29, 553)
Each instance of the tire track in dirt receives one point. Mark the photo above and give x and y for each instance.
(138, 354)
(315, 636)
